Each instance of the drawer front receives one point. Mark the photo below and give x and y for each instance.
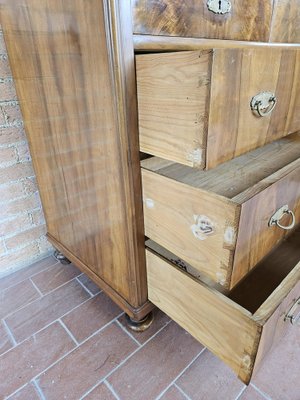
(286, 21)
(256, 237)
(220, 237)
(241, 339)
(203, 108)
(244, 77)
(241, 19)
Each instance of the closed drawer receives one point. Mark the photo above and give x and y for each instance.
(220, 221)
(241, 329)
(202, 108)
(241, 19)
(286, 21)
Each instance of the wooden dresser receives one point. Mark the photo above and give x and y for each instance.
(178, 121)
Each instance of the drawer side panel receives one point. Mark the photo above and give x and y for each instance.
(225, 328)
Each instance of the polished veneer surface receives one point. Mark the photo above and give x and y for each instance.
(74, 97)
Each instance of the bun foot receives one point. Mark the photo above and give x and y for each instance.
(141, 325)
(61, 258)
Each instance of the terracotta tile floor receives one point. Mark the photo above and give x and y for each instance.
(62, 338)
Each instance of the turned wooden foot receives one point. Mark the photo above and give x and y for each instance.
(61, 258)
(139, 325)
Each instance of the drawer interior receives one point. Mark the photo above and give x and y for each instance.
(257, 287)
(236, 176)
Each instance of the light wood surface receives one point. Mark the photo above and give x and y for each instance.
(239, 337)
(255, 237)
(285, 21)
(191, 18)
(219, 324)
(73, 65)
(238, 179)
(230, 206)
(173, 95)
(195, 109)
(155, 44)
(192, 224)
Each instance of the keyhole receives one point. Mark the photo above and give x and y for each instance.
(220, 5)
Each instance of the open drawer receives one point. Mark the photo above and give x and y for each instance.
(202, 108)
(224, 221)
(241, 328)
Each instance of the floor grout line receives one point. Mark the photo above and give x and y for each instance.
(265, 395)
(10, 335)
(68, 331)
(38, 389)
(123, 362)
(36, 300)
(29, 277)
(44, 327)
(111, 388)
(181, 373)
(85, 288)
(128, 333)
(36, 288)
(241, 393)
(182, 392)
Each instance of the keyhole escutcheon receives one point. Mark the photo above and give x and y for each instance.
(219, 6)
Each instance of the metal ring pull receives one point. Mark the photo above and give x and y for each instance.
(219, 6)
(275, 219)
(263, 103)
(294, 314)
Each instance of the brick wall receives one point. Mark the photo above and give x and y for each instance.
(22, 225)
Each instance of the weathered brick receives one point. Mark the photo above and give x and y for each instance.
(44, 245)
(17, 224)
(7, 156)
(30, 185)
(11, 191)
(38, 217)
(25, 256)
(5, 70)
(15, 172)
(2, 43)
(25, 237)
(23, 152)
(20, 206)
(2, 247)
(7, 89)
(11, 135)
(11, 112)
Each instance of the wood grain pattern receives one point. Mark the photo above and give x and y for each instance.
(231, 207)
(240, 338)
(285, 22)
(256, 238)
(221, 325)
(77, 94)
(177, 95)
(173, 97)
(191, 18)
(241, 178)
(174, 214)
(156, 44)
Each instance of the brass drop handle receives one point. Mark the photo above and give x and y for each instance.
(275, 219)
(263, 103)
(219, 6)
(294, 314)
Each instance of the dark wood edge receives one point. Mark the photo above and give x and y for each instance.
(172, 43)
(136, 313)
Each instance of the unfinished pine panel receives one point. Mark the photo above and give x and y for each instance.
(195, 107)
(240, 337)
(218, 221)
